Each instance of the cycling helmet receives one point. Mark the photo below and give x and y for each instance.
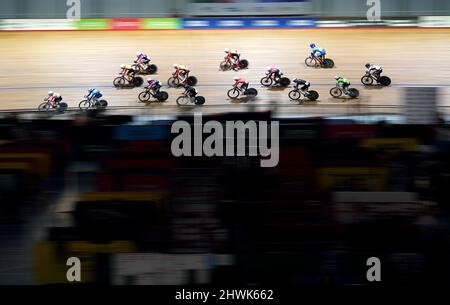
(149, 80)
(175, 66)
(91, 89)
(122, 66)
(227, 50)
(337, 77)
(269, 68)
(50, 93)
(236, 78)
(368, 65)
(138, 54)
(313, 45)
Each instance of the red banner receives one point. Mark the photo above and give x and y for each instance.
(126, 24)
(350, 131)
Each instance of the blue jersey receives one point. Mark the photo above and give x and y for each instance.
(95, 93)
(318, 50)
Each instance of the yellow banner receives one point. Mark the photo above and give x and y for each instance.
(391, 145)
(353, 178)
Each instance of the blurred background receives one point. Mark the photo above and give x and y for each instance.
(356, 178)
(161, 8)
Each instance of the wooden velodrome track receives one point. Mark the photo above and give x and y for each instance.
(33, 63)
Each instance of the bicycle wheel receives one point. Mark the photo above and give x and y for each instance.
(311, 62)
(102, 104)
(62, 107)
(163, 96)
(251, 92)
(336, 92)
(144, 96)
(119, 82)
(183, 100)
(199, 100)
(353, 93)
(84, 105)
(243, 64)
(284, 81)
(294, 95)
(191, 81)
(152, 69)
(233, 93)
(312, 95)
(367, 80)
(385, 81)
(44, 107)
(328, 63)
(225, 65)
(173, 82)
(266, 81)
(137, 81)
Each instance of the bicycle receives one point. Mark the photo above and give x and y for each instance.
(235, 92)
(314, 62)
(175, 80)
(145, 95)
(369, 78)
(145, 68)
(270, 78)
(185, 99)
(228, 64)
(48, 106)
(337, 91)
(297, 93)
(123, 79)
(88, 103)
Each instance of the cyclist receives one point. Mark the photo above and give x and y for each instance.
(300, 82)
(182, 71)
(128, 71)
(374, 70)
(94, 95)
(54, 98)
(342, 82)
(318, 51)
(240, 83)
(234, 55)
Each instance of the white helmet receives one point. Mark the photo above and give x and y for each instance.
(149, 79)
(122, 66)
(269, 68)
(236, 78)
(50, 93)
(336, 77)
(175, 66)
(227, 50)
(138, 54)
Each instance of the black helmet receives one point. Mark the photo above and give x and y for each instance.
(368, 65)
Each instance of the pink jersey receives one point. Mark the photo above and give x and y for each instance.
(240, 81)
(274, 70)
(142, 57)
(55, 96)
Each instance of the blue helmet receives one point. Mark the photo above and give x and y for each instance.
(313, 45)
(91, 89)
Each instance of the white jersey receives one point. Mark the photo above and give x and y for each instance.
(374, 68)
